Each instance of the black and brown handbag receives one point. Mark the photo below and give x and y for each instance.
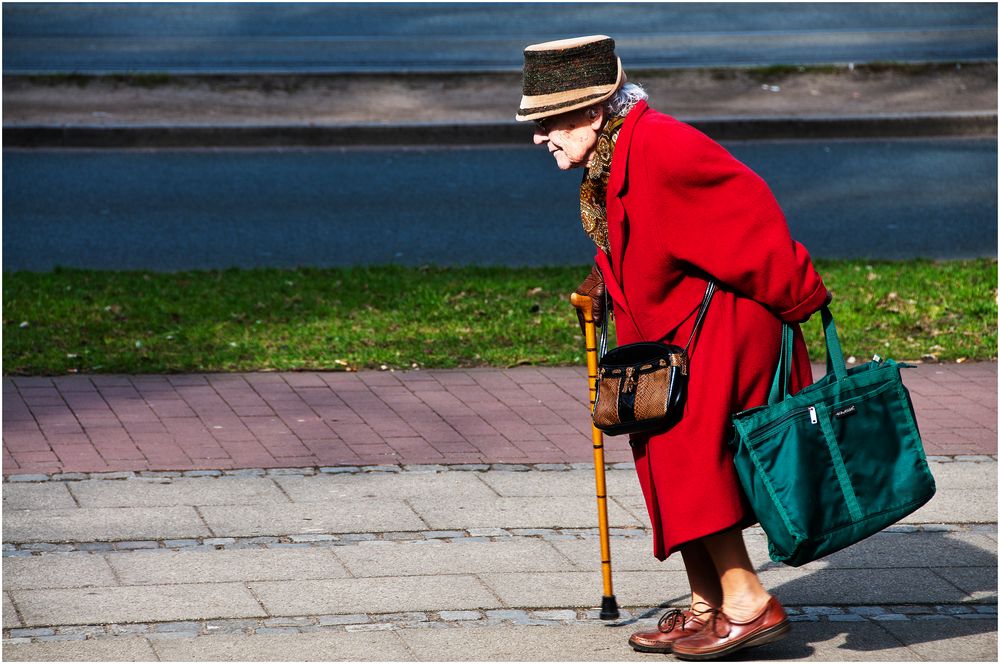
(641, 386)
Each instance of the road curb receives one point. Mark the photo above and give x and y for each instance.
(910, 125)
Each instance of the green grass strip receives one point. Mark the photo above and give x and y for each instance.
(82, 321)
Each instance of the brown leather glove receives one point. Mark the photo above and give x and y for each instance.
(593, 287)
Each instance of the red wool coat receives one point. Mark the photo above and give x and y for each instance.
(681, 210)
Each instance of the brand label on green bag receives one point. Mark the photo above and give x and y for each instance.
(850, 410)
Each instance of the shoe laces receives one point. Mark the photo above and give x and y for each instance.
(669, 619)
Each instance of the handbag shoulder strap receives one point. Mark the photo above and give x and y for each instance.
(709, 292)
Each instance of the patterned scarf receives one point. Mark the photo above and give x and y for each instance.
(593, 189)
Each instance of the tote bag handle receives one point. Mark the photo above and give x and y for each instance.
(834, 358)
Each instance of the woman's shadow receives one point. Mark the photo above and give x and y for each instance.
(893, 591)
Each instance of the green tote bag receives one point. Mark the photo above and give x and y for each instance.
(834, 463)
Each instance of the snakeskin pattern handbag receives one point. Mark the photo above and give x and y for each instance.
(641, 386)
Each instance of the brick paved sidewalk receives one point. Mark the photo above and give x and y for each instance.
(269, 420)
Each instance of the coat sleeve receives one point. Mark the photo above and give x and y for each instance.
(722, 218)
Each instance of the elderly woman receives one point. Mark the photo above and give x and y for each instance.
(669, 210)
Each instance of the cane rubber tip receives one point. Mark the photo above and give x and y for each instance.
(609, 608)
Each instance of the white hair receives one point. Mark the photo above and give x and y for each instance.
(624, 98)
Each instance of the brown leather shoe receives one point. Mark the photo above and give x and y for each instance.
(724, 636)
(673, 625)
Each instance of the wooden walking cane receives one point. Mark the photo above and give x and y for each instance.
(609, 605)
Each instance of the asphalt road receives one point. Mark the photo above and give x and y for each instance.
(199, 209)
(320, 37)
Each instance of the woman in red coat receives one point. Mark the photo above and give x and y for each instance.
(669, 210)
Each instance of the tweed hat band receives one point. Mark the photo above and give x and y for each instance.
(564, 75)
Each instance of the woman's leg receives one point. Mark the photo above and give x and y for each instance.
(702, 576)
(743, 596)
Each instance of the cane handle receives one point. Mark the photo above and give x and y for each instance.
(582, 302)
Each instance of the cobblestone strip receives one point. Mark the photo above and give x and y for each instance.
(481, 535)
(360, 622)
(383, 469)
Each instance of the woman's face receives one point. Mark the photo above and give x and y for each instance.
(571, 137)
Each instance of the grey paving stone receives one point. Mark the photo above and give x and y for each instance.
(288, 621)
(178, 491)
(129, 628)
(954, 609)
(43, 496)
(457, 557)
(291, 471)
(801, 586)
(10, 618)
(488, 532)
(69, 476)
(523, 643)
(325, 646)
(36, 631)
(245, 472)
(968, 505)
(565, 483)
(405, 617)
(555, 614)
(180, 543)
(103, 524)
(355, 619)
(27, 477)
(952, 640)
(319, 538)
(375, 595)
(116, 475)
(583, 589)
(131, 546)
(433, 534)
(948, 476)
(474, 512)
(835, 642)
(460, 615)
(183, 626)
(133, 649)
(425, 468)
(277, 630)
(633, 554)
(136, 604)
(919, 549)
(63, 570)
(83, 631)
(218, 541)
(165, 567)
(350, 516)
(979, 583)
(514, 616)
(396, 486)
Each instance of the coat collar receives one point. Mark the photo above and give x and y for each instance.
(619, 160)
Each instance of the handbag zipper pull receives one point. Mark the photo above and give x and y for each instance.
(629, 384)
(812, 415)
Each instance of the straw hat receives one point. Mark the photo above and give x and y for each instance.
(568, 74)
